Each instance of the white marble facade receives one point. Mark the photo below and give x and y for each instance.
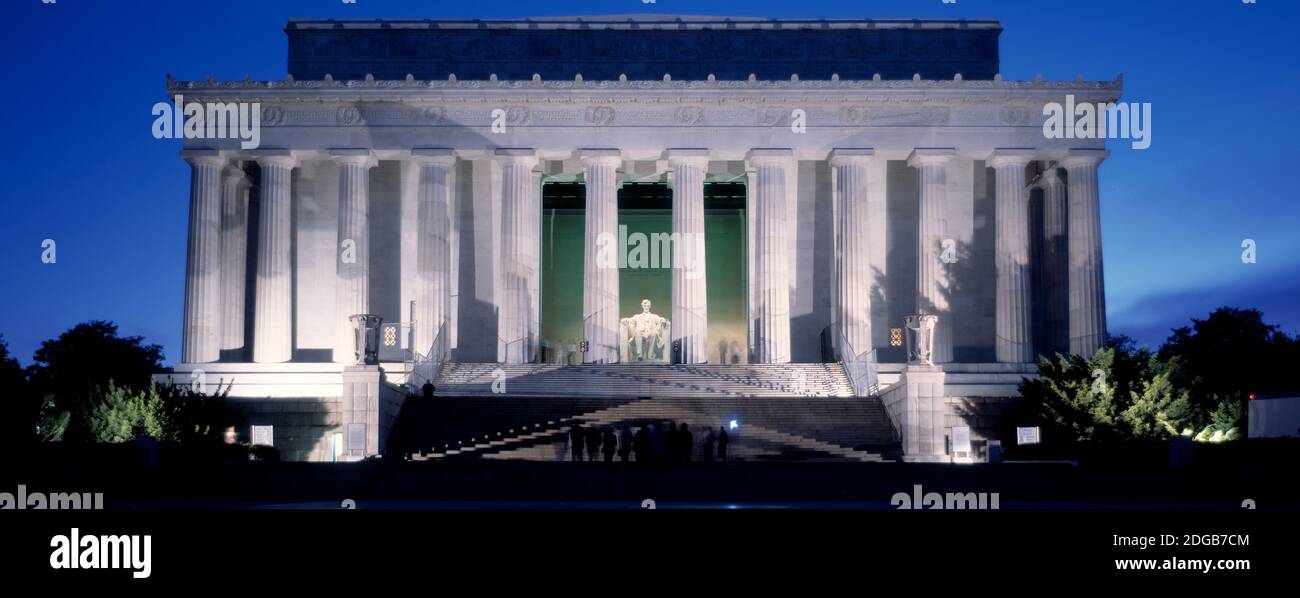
(895, 197)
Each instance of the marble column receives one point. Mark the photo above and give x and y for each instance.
(519, 254)
(273, 294)
(234, 255)
(535, 281)
(854, 273)
(1014, 341)
(600, 260)
(432, 294)
(1056, 262)
(932, 280)
(202, 330)
(1087, 292)
(751, 292)
(769, 249)
(352, 283)
(690, 313)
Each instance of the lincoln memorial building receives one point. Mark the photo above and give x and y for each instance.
(617, 219)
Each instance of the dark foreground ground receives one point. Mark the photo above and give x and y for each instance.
(489, 484)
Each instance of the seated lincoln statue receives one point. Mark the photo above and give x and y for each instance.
(644, 337)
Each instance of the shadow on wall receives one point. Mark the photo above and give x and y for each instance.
(314, 222)
(989, 418)
(481, 345)
(965, 278)
(303, 428)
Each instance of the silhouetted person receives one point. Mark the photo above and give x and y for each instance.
(707, 454)
(722, 443)
(624, 443)
(427, 389)
(576, 436)
(673, 444)
(641, 444)
(657, 440)
(735, 352)
(686, 442)
(593, 443)
(608, 445)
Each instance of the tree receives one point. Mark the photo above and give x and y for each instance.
(121, 414)
(67, 371)
(1226, 357)
(165, 413)
(18, 406)
(1197, 384)
(1157, 408)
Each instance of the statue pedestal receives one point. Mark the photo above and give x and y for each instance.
(922, 414)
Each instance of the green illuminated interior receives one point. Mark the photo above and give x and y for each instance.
(644, 208)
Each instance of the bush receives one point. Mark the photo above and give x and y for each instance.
(1123, 393)
(120, 414)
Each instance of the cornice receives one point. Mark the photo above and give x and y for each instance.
(916, 85)
(640, 21)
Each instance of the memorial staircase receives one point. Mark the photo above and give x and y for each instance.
(536, 428)
(634, 380)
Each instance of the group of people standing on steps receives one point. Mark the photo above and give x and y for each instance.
(652, 443)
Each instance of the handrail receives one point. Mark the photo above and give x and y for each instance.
(424, 368)
(860, 367)
(507, 346)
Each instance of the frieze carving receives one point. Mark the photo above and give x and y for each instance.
(272, 115)
(366, 114)
(348, 115)
(853, 115)
(927, 116)
(647, 103)
(599, 115)
(770, 117)
(516, 115)
(435, 115)
(688, 115)
(852, 112)
(1015, 115)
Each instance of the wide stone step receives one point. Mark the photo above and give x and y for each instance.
(535, 428)
(462, 379)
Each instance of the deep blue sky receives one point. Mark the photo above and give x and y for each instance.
(81, 167)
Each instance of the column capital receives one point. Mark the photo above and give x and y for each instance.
(433, 155)
(354, 157)
(1084, 157)
(608, 156)
(521, 155)
(273, 157)
(844, 156)
(770, 156)
(688, 157)
(209, 157)
(1018, 157)
(931, 156)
